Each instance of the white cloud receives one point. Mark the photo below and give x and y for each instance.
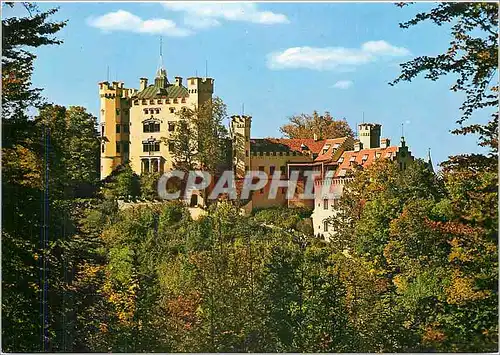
(383, 48)
(125, 21)
(342, 84)
(329, 58)
(229, 11)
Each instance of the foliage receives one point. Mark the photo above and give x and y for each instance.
(472, 57)
(20, 33)
(199, 140)
(324, 126)
(426, 256)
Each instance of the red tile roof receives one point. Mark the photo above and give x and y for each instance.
(369, 154)
(328, 154)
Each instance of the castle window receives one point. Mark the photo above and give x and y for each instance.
(172, 110)
(175, 100)
(102, 130)
(136, 102)
(117, 111)
(125, 128)
(151, 127)
(144, 102)
(341, 159)
(183, 100)
(118, 146)
(192, 81)
(159, 102)
(171, 146)
(325, 226)
(171, 126)
(271, 170)
(117, 128)
(261, 168)
(167, 101)
(325, 204)
(151, 147)
(125, 147)
(151, 102)
(102, 148)
(246, 153)
(335, 202)
(157, 111)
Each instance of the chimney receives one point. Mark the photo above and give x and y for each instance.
(358, 146)
(315, 137)
(178, 81)
(143, 83)
(385, 142)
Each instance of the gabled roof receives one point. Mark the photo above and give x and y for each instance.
(152, 92)
(331, 145)
(286, 145)
(364, 157)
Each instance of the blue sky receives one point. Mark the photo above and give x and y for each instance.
(278, 59)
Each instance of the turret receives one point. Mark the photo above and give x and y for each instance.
(369, 135)
(240, 136)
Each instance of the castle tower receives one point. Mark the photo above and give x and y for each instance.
(115, 122)
(369, 135)
(240, 135)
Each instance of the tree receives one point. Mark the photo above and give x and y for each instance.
(18, 34)
(324, 126)
(199, 141)
(472, 57)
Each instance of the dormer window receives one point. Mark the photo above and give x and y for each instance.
(352, 159)
(365, 158)
(151, 102)
(341, 160)
(325, 148)
(388, 155)
(336, 146)
(159, 102)
(377, 155)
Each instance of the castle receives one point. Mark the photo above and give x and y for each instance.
(134, 121)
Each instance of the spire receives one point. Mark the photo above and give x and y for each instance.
(429, 161)
(161, 80)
